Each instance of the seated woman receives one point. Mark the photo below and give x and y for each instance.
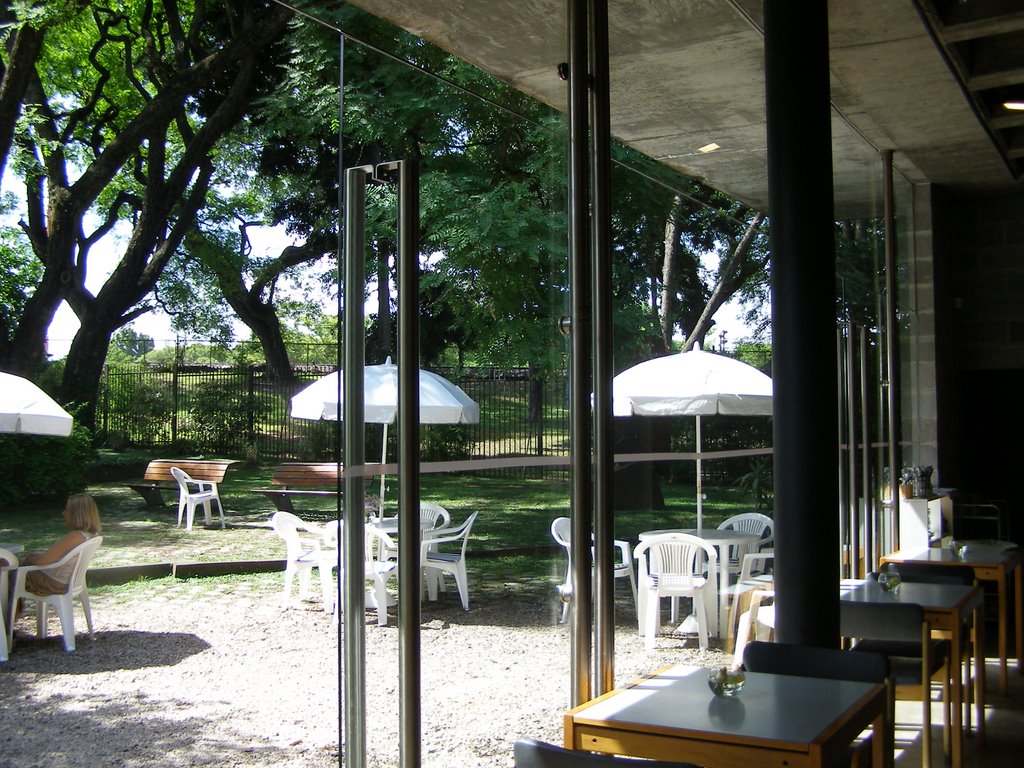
(82, 517)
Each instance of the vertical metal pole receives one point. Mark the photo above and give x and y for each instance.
(865, 456)
(580, 512)
(891, 347)
(337, 448)
(853, 530)
(604, 370)
(844, 538)
(353, 544)
(410, 746)
(799, 136)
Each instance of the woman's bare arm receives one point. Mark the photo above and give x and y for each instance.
(61, 547)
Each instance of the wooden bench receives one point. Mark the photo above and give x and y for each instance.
(302, 479)
(158, 477)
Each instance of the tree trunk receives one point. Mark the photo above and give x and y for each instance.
(262, 320)
(729, 280)
(670, 275)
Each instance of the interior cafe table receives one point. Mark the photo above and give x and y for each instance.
(722, 540)
(946, 608)
(776, 721)
(989, 564)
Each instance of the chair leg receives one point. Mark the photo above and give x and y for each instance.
(462, 582)
(701, 609)
(190, 514)
(220, 507)
(66, 614)
(207, 511)
(42, 619)
(181, 509)
(651, 620)
(3, 639)
(381, 594)
(87, 610)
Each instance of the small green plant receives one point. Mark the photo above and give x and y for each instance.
(759, 482)
(43, 468)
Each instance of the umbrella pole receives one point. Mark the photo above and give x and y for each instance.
(383, 461)
(700, 486)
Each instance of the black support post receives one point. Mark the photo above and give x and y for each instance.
(803, 321)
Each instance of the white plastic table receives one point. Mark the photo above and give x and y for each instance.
(720, 540)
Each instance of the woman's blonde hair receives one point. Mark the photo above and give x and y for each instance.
(83, 515)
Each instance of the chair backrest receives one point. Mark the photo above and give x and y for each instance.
(10, 557)
(434, 514)
(881, 621)
(459, 534)
(751, 522)
(760, 559)
(805, 661)
(287, 526)
(85, 552)
(182, 477)
(679, 555)
(530, 753)
(561, 531)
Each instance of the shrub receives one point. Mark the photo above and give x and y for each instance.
(222, 416)
(35, 468)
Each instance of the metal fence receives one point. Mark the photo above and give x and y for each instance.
(237, 411)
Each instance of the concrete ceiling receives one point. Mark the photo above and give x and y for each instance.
(924, 78)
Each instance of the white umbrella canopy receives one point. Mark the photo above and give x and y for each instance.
(441, 401)
(26, 409)
(694, 383)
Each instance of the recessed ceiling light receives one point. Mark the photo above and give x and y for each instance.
(708, 148)
(1017, 105)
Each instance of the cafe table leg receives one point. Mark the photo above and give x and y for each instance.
(1018, 600)
(979, 671)
(1003, 583)
(956, 727)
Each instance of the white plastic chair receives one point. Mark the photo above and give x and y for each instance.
(434, 558)
(377, 568)
(62, 603)
(561, 531)
(12, 562)
(433, 517)
(749, 522)
(758, 620)
(669, 566)
(302, 552)
(753, 576)
(192, 492)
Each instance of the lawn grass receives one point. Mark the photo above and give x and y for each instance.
(513, 527)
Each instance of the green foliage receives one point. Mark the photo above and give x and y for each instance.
(128, 345)
(759, 482)
(147, 406)
(444, 442)
(35, 468)
(220, 413)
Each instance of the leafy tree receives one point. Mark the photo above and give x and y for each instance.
(128, 345)
(118, 123)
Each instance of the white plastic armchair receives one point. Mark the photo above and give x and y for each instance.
(760, 525)
(561, 531)
(433, 517)
(376, 567)
(5, 616)
(302, 542)
(62, 603)
(670, 565)
(193, 492)
(437, 560)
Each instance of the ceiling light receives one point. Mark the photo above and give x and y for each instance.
(708, 148)
(1016, 105)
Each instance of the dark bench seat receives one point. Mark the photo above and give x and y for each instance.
(293, 479)
(158, 476)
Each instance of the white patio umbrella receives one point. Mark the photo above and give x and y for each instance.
(26, 409)
(694, 383)
(441, 401)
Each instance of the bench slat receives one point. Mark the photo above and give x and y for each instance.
(307, 474)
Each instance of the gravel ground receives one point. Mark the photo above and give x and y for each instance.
(183, 674)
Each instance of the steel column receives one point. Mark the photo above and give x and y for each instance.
(581, 496)
(604, 369)
(798, 122)
(352, 544)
